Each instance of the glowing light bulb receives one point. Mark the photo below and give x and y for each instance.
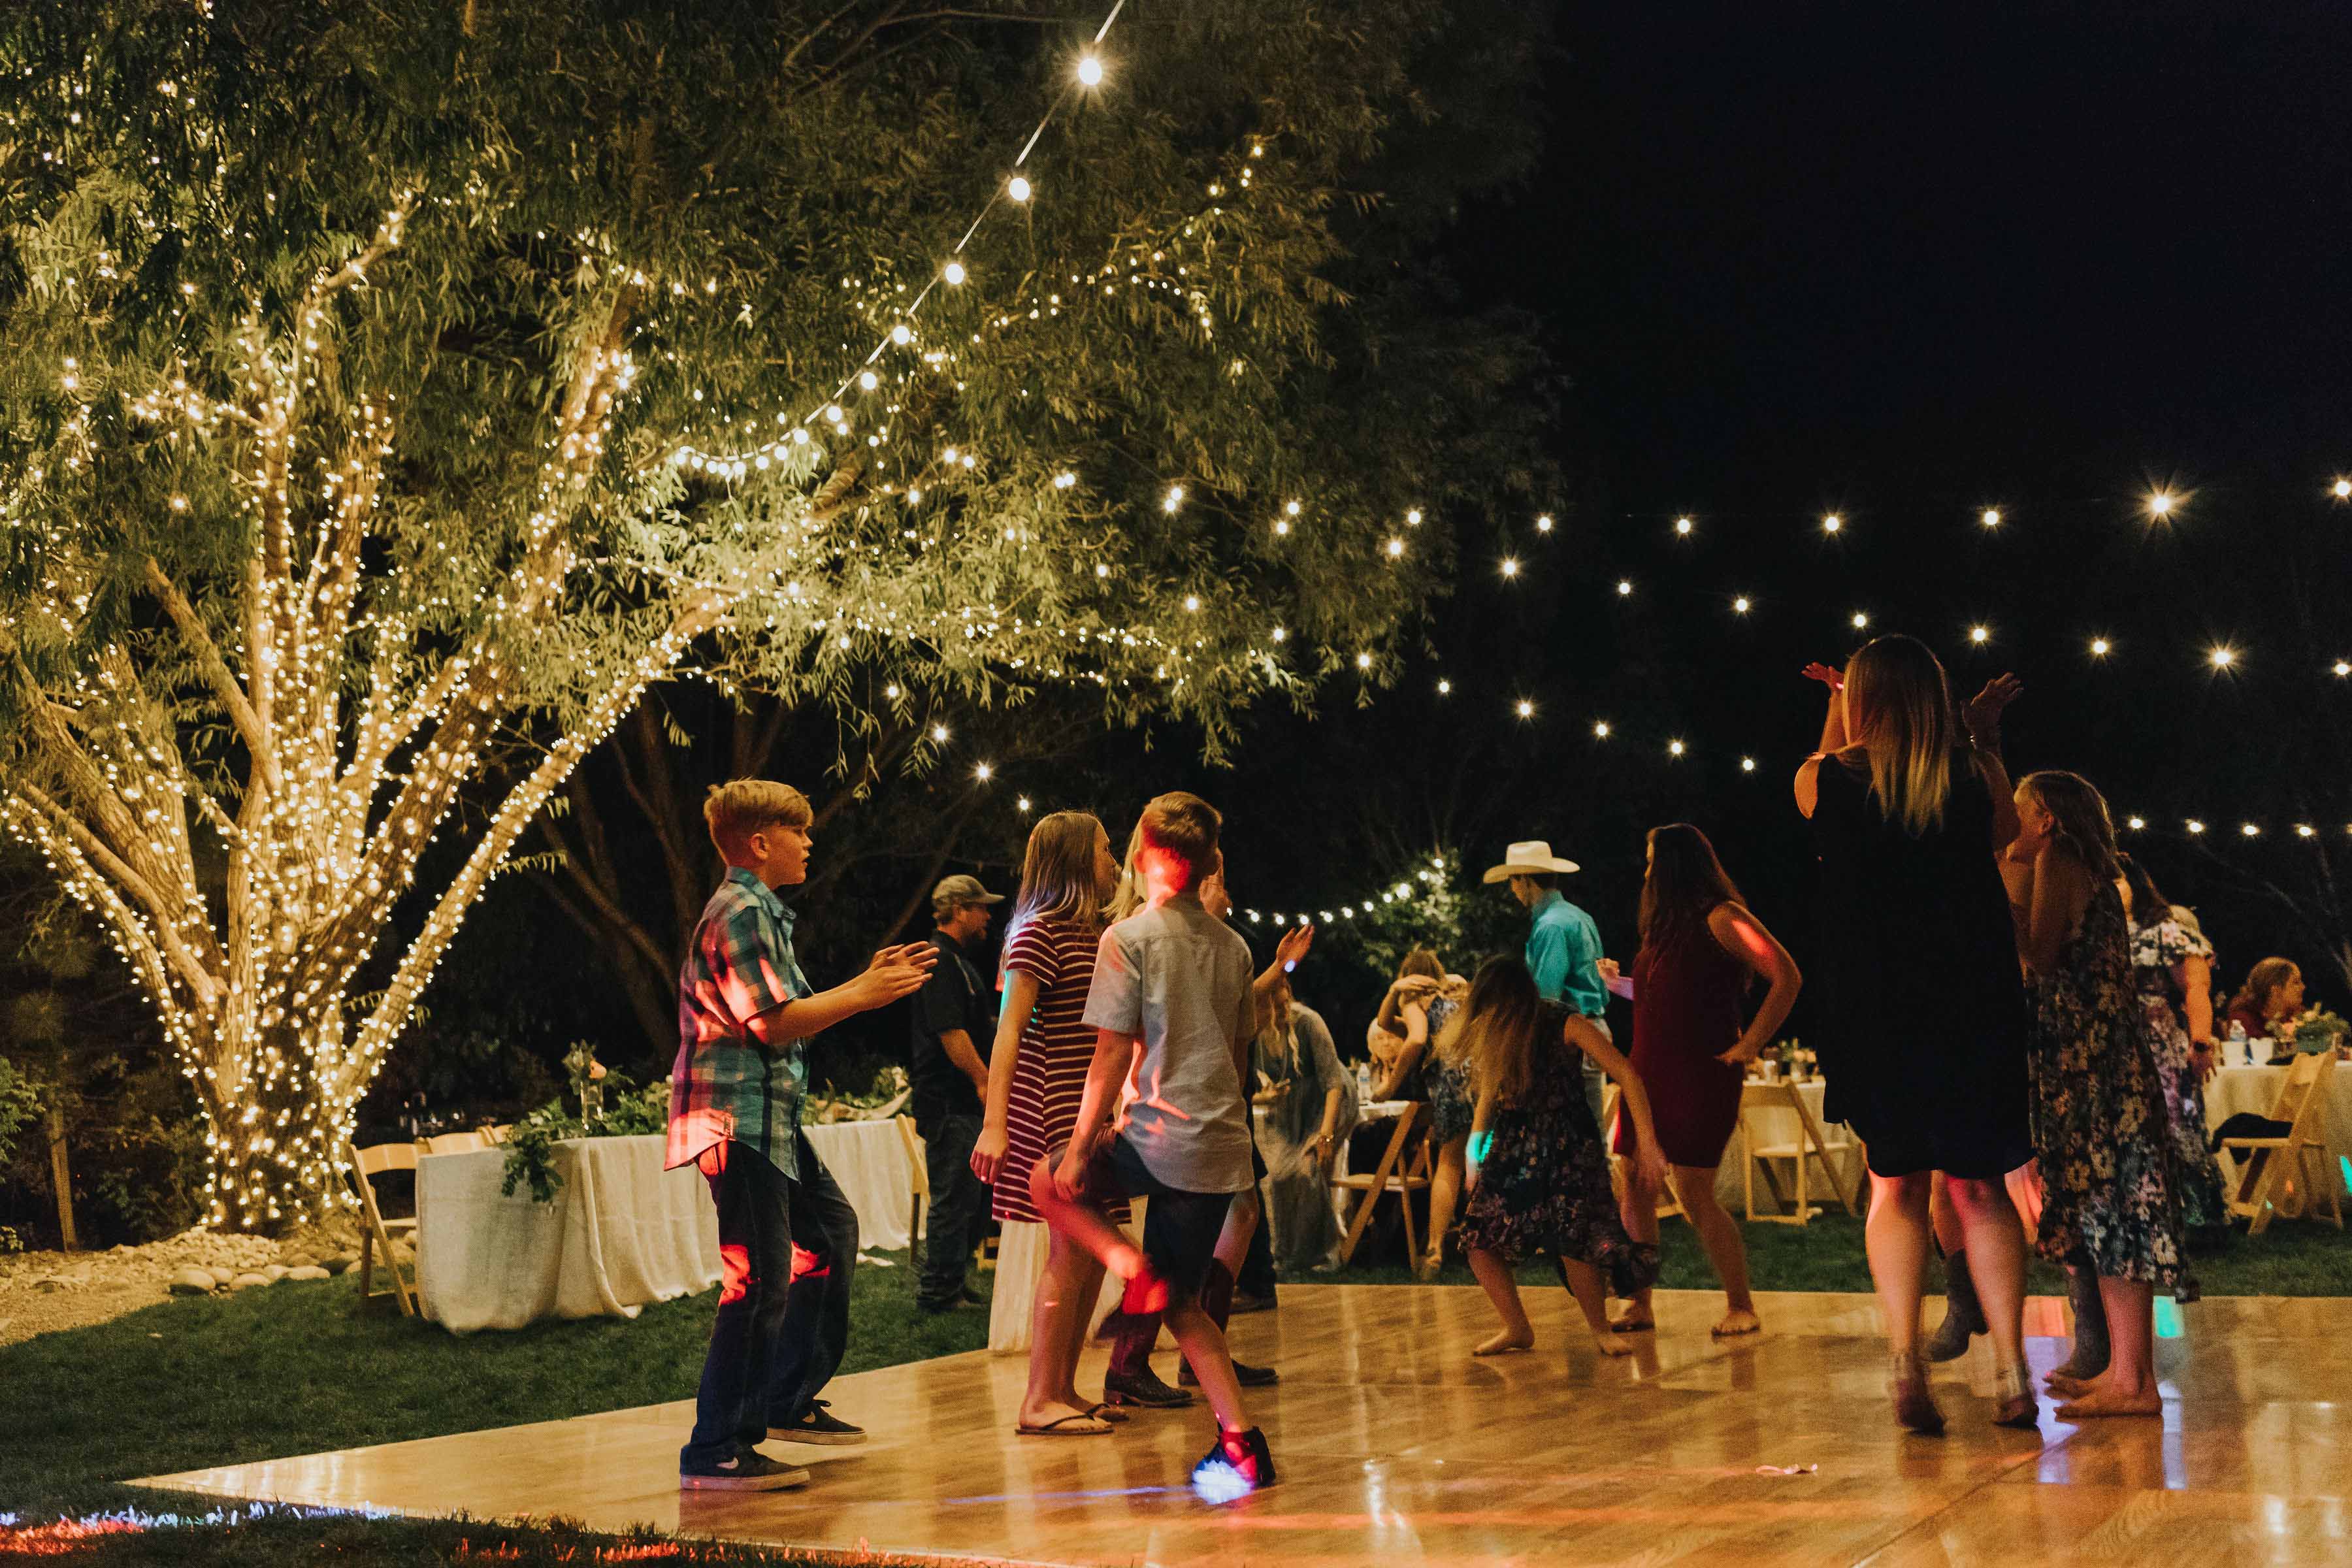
(1173, 499)
(2303, 830)
(902, 334)
(1413, 517)
(1990, 517)
(1021, 805)
(2160, 504)
(2099, 647)
(1624, 588)
(1739, 606)
(2222, 657)
(1090, 70)
(939, 733)
(1673, 748)
(1832, 523)
(953, 272)
(1017, 188)
(1192, 602)
(1396, 548)
(1363, 661)
(1861, 619)
(1601, 729)
(1291, 508)
(1525, 709)
(1102, 568)
(891, 692)
(2136, 823)
(1445, 689)
(868, 380)
(2250, 830)
(983, 771)
(1682, 525)
(2341, 667)
(1746, 765)
(1543, 523)
(1510, 565)
(2195, 825)
(1980, 634)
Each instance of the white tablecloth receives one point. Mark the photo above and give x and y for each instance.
(619, 1233)
(2255, 1089)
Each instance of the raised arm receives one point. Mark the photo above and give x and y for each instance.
(1012, 1017)
(1408, 1055)
(895, 971)
(1982, 716)
(1742, 935)
(1833, 737)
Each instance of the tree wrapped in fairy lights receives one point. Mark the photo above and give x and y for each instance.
(390, 396)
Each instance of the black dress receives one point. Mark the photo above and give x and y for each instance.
(1927, 1016)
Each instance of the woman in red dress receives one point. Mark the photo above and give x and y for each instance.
(1700, 946)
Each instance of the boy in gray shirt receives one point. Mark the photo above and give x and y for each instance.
(1174, 1018)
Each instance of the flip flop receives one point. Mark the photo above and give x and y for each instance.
(1110, 1413)
(1060, 1427)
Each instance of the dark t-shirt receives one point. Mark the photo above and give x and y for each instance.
(954, 997)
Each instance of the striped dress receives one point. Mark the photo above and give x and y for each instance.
(1049, 1075)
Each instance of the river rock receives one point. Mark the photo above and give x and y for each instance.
(274, 1272)
(189, 1281)
(300, 1259)
(248, 1281)
(308, 1271)
(221, 1275)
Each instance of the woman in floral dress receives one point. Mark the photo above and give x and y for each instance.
(2101, 1131)
(1540, 1174)
(2172, 965)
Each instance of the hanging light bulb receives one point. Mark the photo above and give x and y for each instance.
(1090, 70)
(953, 272)
(1017, 187)
(1831, 522)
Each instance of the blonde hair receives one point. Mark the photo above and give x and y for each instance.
(737, 809)
(1494, 1033)
(1898, 715)
(1057, 874)
(1130, 894)
(2079, 819)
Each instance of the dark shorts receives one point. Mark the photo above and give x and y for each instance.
(1180, 1228)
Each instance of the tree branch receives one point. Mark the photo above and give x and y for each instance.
(217, 673)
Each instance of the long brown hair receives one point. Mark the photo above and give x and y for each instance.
(1130, 895)
(2262, 982)
(1494, 1032)
(1899, 718)
(1685, 883)
(2079, 819)
(1057, 874)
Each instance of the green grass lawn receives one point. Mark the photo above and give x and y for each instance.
(296, 1369)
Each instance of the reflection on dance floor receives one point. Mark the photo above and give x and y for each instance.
(1396, 1447)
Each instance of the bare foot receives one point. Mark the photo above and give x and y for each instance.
(2101, 1400)
(1736, 1325)
(1507, 1342)
(1634, 1323)
(1608, 1342)
(2065, 1387)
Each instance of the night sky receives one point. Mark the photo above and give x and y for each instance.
(1904, 264)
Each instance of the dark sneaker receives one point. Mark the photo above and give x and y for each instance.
(819, 1426)
(1142, 1388)
(748, 1472)
(1248, 1377)
(1235, 1467)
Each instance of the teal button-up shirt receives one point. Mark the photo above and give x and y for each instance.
(726, 1084)
(1564, 955)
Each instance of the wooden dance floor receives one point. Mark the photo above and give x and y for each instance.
(1396, 1447)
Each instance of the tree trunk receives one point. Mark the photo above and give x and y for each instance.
(61, 1178)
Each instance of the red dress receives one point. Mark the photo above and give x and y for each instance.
(1057, 1045)
(1686, 1013)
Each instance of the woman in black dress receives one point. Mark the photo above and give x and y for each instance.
(1925, 1049)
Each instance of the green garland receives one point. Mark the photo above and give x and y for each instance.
(629, 1111)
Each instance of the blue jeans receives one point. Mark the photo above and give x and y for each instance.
(777, 1342)
(959, 1212)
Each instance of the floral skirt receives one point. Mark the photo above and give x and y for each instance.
(1544, 1187)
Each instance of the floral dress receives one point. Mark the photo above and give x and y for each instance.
(2157, 952)
(2100, 1127)
(1451, 1105)
(1543, 1185)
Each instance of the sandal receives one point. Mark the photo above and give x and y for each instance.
(1110, 1413)
(1066, 1427)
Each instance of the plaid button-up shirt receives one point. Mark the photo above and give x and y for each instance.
(726, 1084)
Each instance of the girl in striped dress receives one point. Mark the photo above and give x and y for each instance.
(1036, 1075)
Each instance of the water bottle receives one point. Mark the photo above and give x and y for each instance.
(1364, 1082)
(2240, 1053)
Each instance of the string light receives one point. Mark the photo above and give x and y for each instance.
(2100, 647)
(1017, 188)
(2341, 490)
(1831, 522)
(2341, 667)
(1673, 748)
(1980, 635)
(2136, 823)
(1090, 70)
(1739, 605)
(983, 771)
(1601, 729)
(1624, 588)
(1021, 805)
(954, 273)
(1861, 619)
(1990, 517)
(1746, 765)
(2249, 829)
(1510, 565)
(1543, 523)
(1526, 708)
(2195, 825)
(940, 734)
(1683, 526)
(2304, 830)
(2221, 657)
(1445, 689)
(2160, 504)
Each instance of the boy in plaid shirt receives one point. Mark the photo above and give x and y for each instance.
(744, 1013)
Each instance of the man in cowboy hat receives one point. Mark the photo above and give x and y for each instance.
(953, 1024)
(1563, 942)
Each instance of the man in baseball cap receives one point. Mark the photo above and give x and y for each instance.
(953, 1024)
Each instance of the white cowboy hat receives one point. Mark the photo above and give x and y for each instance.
(1530, 858)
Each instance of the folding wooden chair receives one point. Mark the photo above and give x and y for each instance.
(496, 1136)
(2288, 1176)
(367, 1164)
(1811, 1145)
(918, 1181)
(1670, 1197)
(1403, 1170)
(456, 1144)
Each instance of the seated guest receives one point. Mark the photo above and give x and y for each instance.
(1309, 1107)
(2272, 996)
(1397, 1041)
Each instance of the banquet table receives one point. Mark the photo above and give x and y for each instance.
(2255, 1089)
(619, 1233)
